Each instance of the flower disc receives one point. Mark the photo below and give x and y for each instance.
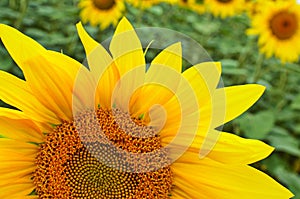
(104, 4)
(96, 164)
(284, 25)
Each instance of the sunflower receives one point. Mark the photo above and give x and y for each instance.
(193, 5)
(254, 6)
(143, 4)
(278, 27)
(224, 8)
(116, 130)
(101, 12)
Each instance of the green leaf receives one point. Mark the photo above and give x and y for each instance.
(296, 128)
(290, 179)
(296, 103)
(257, 126)
(6, 64)
(283, 141)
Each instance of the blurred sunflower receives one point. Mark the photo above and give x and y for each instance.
(254, 6)
(278, 27)
(76, 137)
(193, 5)
(251, 7)
(225, 8)
(101, 12)
(143, 4)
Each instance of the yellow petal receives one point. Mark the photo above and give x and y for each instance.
(127, 53)
(14, 163)
(171, 57)
(179, 194)
(20, 47)
(17, 190)
(17, 93)
(12, 176)
(182, 119)
(106, 86)
(51, 79)
(12, 113)
(184, 190)
(98, 58)
(102, 68)
(6, 143)
(202, 82)
(11, 155)
(42, 67)
(231, 149)
(126, 87)
(88, 42)
(204, 78)
(238, 100)
(126, 48)
(17, 161)
(157, 88)
(16, 114)
(20, 128)
(217, 180)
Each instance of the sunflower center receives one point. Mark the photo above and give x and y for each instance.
(104, 4)
(224, 1)
(94, 157)
(284, 25)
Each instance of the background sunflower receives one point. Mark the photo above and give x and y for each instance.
(101, 12)
(194, 5)
(143, 4)
(278, 27)
(224, 8)
(274, 119)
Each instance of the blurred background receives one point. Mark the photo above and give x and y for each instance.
(254, 43)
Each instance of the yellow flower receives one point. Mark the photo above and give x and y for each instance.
(116, 130)
(278, 26)
(225, 8)
(193, 5)
(254, 6)
(143, 4)
(101, 12)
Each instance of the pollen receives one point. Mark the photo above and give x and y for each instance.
(103, 154)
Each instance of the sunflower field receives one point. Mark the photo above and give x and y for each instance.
(256, 42)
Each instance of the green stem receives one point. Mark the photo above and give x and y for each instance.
(12, 4)
(23, 9)
(283, 78)
(140, 15)
(245, 52)
(281, 86)
(99, 34)
(243, 57)
(258, 68)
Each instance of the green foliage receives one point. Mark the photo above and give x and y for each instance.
(274, 119)
(257, 125)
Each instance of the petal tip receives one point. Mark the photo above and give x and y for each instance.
(123, 26)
